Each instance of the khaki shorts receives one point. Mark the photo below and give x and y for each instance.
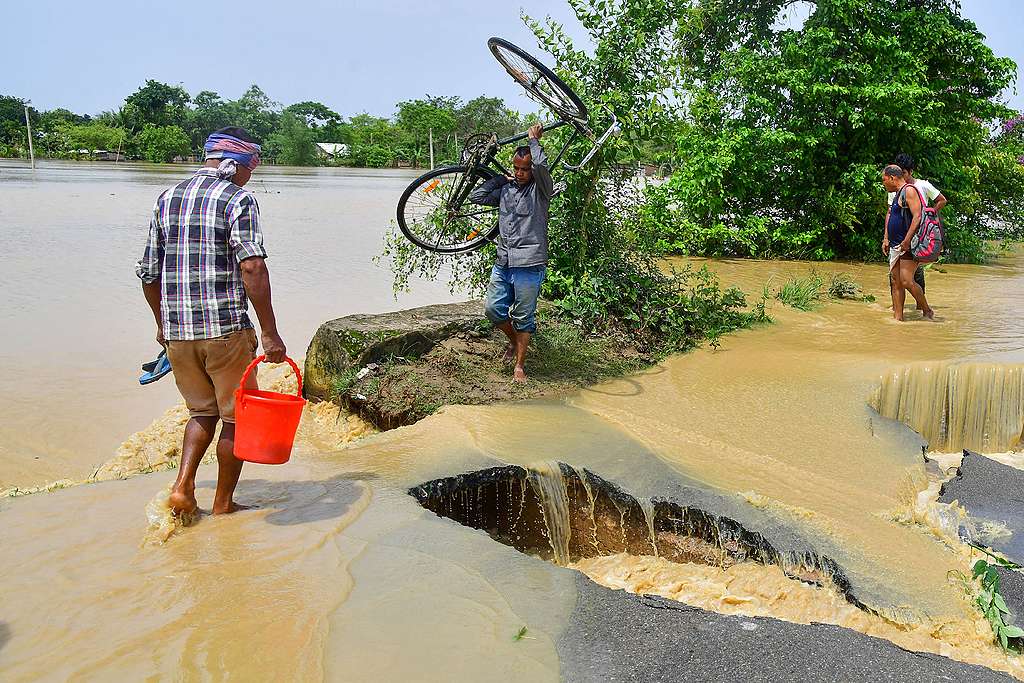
(207, 372)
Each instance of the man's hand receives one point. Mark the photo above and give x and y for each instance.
(536, 130)
(160, 336)
(885, 247)
(273, 346)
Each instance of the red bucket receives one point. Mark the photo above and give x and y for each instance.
(265, 421)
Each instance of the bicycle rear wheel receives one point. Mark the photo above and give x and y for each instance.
(434, 212)
(540, 82)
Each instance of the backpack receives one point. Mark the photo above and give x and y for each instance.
(926, 244)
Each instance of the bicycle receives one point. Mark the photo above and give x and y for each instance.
(433, 211)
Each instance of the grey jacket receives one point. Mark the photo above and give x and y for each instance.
(522, 213)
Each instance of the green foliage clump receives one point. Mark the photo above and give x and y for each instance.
(90, 136)
(160, 144)
(991, 603)
(804, 293)
(785, 129)
(293, 143)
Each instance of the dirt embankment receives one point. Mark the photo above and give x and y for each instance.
(396, 368)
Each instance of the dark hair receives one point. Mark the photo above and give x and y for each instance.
(893, 171)
(905, 161)
(522, 151)
(240, 133)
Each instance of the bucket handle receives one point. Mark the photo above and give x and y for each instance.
(258, 359)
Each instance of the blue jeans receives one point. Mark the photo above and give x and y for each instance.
(512, 295)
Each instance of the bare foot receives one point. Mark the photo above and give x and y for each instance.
(929, 315)
(182, 503)
(232, 507)
(510, 354)
(519, 375)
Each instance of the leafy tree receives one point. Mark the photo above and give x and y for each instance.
(91, 136)
(161, 144)
(293, 143)
(210, 113)
(158, 104)
(789, 127)
(318, 117)
(420, 118)
(255, 112)
(487, 115)
(364, 129)
(12, 121)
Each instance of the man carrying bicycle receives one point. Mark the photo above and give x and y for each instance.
(523, 200)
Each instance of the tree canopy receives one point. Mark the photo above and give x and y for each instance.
(787, 127)
(289, 134)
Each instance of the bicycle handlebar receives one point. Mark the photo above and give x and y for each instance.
(613, 129)
(523, 136)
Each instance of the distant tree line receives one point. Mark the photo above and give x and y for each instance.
(161, 122)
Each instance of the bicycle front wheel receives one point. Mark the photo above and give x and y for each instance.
(540, 82)
(435, 213)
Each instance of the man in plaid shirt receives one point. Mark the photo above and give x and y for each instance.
(203, 263)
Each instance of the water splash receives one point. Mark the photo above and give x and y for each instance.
(163, 523)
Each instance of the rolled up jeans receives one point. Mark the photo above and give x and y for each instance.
(512, 295)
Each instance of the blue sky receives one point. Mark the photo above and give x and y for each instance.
(353, 56)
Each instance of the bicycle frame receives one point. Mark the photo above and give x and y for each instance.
(485, 157)
(576, 132)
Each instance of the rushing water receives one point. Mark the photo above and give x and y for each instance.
(339, 574)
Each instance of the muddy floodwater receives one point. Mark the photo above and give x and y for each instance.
(341, 574)
(76, 327)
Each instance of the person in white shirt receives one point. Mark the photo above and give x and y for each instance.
(931, 193)
(932, 197)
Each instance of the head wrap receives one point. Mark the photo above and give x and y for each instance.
(233, 151)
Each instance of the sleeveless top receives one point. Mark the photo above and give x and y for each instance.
(899, 219)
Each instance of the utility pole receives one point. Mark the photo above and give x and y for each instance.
(431, 149)
(31, 151)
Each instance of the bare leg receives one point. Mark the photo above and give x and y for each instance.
(893, 277)
(229, 468)
(907, 270)
(919, 279)
(510, 352)
(198, 437)
(522, 341)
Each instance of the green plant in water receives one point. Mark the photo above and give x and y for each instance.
(990, 601)
(802, 293)
(842, 286)
(521, 635)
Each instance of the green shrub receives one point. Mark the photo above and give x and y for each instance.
(803, 293)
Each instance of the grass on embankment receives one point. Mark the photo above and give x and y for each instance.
(469, 369)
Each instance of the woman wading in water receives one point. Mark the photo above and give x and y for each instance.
(902, 222)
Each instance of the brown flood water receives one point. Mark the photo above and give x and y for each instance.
(340, 575)
(76, 327)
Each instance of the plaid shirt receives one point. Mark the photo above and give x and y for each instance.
(201, 230)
